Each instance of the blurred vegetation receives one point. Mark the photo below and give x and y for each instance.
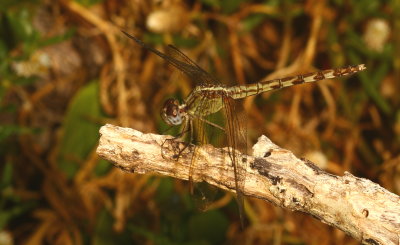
(66, 69)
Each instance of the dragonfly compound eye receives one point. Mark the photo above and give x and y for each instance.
(170, 112)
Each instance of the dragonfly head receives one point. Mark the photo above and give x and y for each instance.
(171, 112)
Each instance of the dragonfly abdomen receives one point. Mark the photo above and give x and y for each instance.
(243, 91)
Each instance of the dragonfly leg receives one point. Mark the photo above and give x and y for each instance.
(176, 143)
(189, 128)
(208, 122)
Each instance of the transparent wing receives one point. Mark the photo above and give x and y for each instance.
(202, 132)
(198, 75)
(233, 136)
(237, 141)
(180, 61)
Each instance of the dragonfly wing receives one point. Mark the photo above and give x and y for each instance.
(203, 134)
(237, 142)
(180, 61)
(197, 74)
(234, 135)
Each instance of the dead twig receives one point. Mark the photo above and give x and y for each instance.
(359, 207)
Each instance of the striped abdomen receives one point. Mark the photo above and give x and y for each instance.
(242, 91)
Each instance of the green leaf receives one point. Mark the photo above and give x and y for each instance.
(58, 39)
(20, 23)
(209, 226)
(88, 3)
(212, 3)
(105, 234)
(227, 6)
(81, 132)
(230, 6)
(18, 208)
(6, 178)
(164, 190)
(397, 123)
(3, 50)
(11, 129)
(11, 205)
(102, 167)
(185, 42)
(151, 236)
(252, 21)
(6, 5)
(153, 38)
(368, 83)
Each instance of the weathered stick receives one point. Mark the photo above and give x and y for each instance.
(357, 206)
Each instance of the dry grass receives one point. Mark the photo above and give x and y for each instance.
(349, 124)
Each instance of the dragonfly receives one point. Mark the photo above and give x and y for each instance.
(211, 96)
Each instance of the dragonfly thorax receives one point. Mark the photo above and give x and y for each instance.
(172, 112)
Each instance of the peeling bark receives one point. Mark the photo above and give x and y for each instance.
(357, 206)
